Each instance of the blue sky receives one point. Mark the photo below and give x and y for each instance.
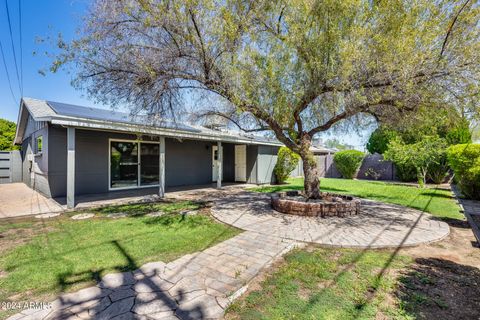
(40, 19)
(43, 19)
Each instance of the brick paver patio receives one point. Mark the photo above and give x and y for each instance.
(379, 225)
(201, 285)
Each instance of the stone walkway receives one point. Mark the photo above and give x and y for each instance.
(201, 285)
(379, 225)
(196, 286)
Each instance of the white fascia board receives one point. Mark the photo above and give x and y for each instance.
(18, 139)
(173, 133)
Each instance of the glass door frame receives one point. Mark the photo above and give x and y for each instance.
(139, 164)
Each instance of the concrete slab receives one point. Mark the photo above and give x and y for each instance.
(17, 200)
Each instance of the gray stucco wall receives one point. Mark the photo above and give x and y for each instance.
(267, 158)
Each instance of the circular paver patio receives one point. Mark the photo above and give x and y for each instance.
(379, 225)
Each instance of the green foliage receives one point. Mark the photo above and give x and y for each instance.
(405, 172)
(287, 161)
(464, 159)
(348, 162)
(460, 134)
(335, 143)
(428, 152)
(379, 139)
(438, 171)
(7, 134)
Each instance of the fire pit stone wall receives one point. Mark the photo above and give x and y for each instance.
(331, 205)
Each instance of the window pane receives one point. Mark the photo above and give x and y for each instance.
(39, 144)
(124, 164)
(149, 168)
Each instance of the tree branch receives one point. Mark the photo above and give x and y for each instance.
(450, 28)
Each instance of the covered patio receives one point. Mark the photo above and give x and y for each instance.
(17, 200)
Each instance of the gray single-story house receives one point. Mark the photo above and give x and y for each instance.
(70, 150)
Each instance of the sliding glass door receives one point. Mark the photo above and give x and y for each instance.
(133, 164)
(149, 164)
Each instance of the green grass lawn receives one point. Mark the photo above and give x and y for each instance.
(325, 284)
(438, 202)
(67, 254)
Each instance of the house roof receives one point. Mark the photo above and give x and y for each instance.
(108, 120)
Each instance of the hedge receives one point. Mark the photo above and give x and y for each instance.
(464, 159)
(348, 162)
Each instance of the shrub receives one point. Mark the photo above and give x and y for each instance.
(287, 161)
(464, 159)
(428, 152)
(438, 171)
(348, 162)
(460, 134)
(405, 172)
(379, 139)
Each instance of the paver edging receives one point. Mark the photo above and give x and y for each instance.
(240, 292)
(471, 222)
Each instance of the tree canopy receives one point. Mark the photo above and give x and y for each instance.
(295, 67)
(7, 134)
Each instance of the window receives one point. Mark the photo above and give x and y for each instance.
(39, 144)
(134, 164)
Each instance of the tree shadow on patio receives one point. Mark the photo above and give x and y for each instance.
(434, 288)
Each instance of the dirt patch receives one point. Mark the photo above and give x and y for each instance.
(444, 280)
(434, 288)
(459, 247)
(17, 236)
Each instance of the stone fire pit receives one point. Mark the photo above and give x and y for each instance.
(331, 205)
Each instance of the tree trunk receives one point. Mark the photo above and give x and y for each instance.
(311, 182)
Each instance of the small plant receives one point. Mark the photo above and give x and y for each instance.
(287, 161)
(237, 274)
(348, 162)
(374, 174)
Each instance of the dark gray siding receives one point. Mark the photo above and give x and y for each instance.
(252, 155)
(267, 158)
(57, 175)
(91, 160)
(187, 162)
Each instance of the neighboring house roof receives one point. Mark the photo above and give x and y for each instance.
(321, 150)
(101, 119)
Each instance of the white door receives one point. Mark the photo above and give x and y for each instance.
(241, 163)
(214, 163)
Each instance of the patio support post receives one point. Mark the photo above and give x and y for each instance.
(70, 168)
(161, 172)
(219, 164)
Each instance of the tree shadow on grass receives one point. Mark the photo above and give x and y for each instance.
(102, 303)
(435, 194)
(434, 288)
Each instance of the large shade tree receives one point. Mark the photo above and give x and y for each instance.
(296, 68)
